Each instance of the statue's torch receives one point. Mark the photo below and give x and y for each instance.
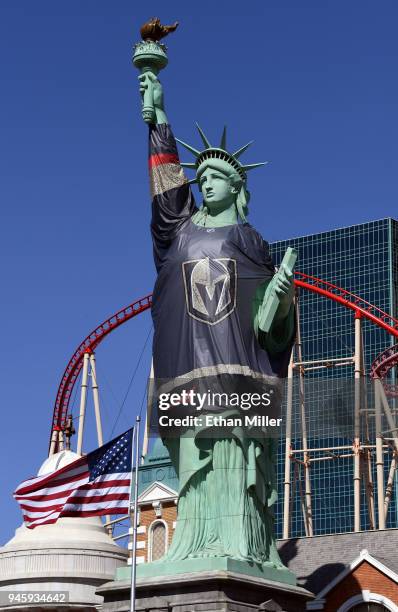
(150, 56)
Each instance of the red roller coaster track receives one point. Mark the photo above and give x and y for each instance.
(349, 300)
(88, 345)
(383, 363)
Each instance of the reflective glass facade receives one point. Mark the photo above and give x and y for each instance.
(362, 259)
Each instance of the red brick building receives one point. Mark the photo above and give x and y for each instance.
(157, 517)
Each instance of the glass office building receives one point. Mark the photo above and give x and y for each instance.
(362, 259)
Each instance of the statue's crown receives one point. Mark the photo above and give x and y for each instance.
(220, 153)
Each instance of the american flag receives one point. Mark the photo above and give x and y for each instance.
(96, 484)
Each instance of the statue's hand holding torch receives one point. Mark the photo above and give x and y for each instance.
(152, 98)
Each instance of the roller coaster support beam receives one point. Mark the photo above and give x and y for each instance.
(393, 466)
(98, 421)
(288, 450)
(366, 457)
(393, 429)
(94, 385)
(379, 456)
(390, 484)
(83, 402)
(357, 407)
(307, 506)
(54, 440)
(389, 417)
(366, 461)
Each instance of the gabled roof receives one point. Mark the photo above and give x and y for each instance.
(157, 491)
(364, 555)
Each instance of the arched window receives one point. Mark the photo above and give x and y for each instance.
(368, 602)
(157, 540)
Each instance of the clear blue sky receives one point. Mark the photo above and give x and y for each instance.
(315, 83)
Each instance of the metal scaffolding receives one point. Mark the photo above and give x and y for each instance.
(370, 448)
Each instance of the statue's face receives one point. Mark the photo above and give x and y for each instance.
(217, 190)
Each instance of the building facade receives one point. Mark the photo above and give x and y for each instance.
(157, 498)
(362, 259)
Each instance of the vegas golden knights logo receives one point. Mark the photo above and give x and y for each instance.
(210, 288)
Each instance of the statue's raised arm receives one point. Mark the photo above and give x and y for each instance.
(172, 200)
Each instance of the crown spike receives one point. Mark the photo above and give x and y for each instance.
(239, 152)
(187, 146)
(203, 137)
(223, 143)
(192, 181)
(192, 166)
(252, 166)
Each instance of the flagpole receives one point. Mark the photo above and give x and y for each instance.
(134, 460)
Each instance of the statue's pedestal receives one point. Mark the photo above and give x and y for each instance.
(223, 585)
(206, 564)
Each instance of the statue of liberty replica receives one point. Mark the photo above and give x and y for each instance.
(223, 320)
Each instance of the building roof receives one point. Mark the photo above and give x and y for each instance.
(57, 461)
(336, 229)
(391, 563)
(318, 560)
(157, 468)
(363, 556)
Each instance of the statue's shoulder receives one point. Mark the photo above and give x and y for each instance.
(254, 234)
(258, 244)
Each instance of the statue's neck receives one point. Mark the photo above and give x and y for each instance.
(229, 216)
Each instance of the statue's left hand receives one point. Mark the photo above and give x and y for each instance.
(284, 289)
